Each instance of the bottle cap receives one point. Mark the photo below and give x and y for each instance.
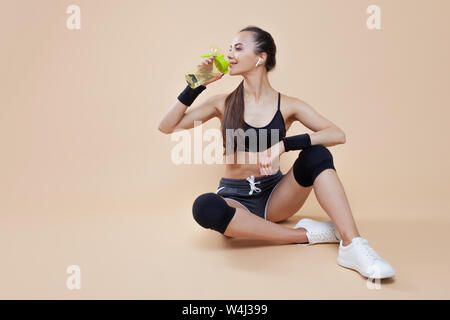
(219, 61)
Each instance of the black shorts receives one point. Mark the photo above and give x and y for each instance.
(253, 193)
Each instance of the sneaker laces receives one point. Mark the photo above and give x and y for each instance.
(320, 236)
(252, 182)
(369, 251)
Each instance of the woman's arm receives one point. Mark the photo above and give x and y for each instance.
(325, 133)
(179, 118)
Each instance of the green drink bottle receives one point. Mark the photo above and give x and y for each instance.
(202, 74)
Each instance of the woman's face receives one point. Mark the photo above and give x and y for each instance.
(241, 56)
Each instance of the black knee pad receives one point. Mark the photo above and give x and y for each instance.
(310, 163)
(211, 211)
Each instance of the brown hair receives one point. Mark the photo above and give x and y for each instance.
(233, 117)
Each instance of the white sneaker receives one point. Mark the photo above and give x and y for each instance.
(318, 232)
(358, 255)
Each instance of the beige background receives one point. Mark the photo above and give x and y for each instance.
(87, 179)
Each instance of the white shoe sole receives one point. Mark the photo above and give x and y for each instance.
(350, 265)
(311, 244)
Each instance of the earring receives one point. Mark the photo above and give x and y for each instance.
(259, 60)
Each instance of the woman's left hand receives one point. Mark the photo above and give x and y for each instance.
(267, 157)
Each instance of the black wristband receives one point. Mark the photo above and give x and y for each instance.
(297, 142)
(188, 95)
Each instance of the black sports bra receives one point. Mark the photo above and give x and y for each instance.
(263, 135)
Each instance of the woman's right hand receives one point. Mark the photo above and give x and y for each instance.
(207, 63)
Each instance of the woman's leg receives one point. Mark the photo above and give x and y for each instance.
(331, 196)
(313, 169)
(228, 217)
(248, 225)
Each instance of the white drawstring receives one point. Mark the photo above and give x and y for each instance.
(218, 189)
(252, 182)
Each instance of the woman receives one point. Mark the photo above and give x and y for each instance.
(252, 197)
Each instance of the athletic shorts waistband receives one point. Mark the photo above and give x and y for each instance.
(240, 182)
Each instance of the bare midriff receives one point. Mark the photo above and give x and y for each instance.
(237, 168)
